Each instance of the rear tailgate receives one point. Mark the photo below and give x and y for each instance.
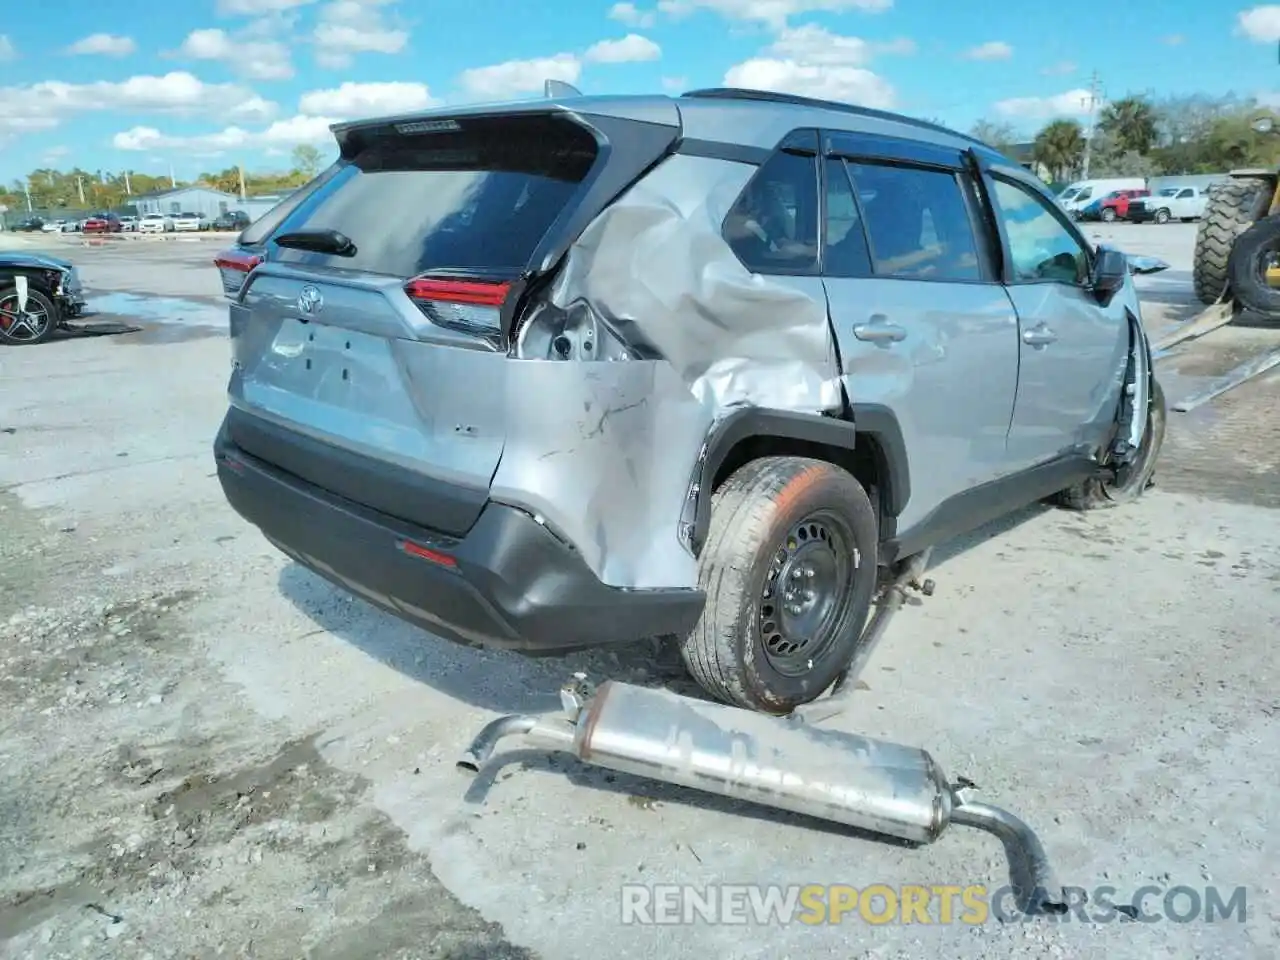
(376, 371)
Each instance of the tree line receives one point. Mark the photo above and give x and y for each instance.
(82, 190)
(1140, 136)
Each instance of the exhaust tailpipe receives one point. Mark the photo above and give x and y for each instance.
(870, 785)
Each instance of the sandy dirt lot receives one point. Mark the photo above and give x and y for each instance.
(208, 752)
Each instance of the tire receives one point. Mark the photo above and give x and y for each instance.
(1162, 216)
(1232, 208)
(1094, 493)
(1108, 215)
(775, 520)
(1246, 268)
(38, 304)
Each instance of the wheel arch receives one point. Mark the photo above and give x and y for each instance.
(867, 442)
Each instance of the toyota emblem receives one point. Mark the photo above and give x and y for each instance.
(309, 301)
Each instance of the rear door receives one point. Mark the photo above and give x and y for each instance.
(368, 356)
(1072, 350)
(922, 325)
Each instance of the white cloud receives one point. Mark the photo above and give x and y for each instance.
(775, 13)
(520, 76)
(1073, 103)
(813, 62)
(1173, 40)
(1060, 69)
(632, 48)
(632, 16)
(348, 27)
(44, 105)
(105, 44)
(282, 133)
(675, 84)
(855, 85)
(255, 8)
(1261, 24)
(256, 59)
(366, 100)
(994, 50)
(7, 49)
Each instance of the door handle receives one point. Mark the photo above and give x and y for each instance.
(879, 330)
(1039, 336)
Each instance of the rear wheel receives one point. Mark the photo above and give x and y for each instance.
(1162, 216)
(1131, 481)
(23, 325)
(1108, 214)
(789, 569)
(1232, 208)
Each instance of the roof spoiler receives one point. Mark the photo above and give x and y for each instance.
(553, 89)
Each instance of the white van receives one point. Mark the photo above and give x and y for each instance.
(1083, 192)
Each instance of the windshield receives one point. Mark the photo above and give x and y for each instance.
(1069, 194)
(1167, 192)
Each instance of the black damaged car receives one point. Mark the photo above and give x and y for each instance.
(38, 294)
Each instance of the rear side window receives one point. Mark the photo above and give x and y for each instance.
(917, 223)
(773, 225)
(477, 199)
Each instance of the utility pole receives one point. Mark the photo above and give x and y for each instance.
(1092, 102)
(80, 188)
(241, 169)
(128, 188)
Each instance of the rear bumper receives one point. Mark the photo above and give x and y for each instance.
(1139, 214)
(509, 583)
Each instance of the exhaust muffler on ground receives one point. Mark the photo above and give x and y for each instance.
(869, 785)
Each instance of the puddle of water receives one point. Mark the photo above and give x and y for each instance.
(159, 310)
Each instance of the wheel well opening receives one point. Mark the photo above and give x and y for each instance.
(867, 461)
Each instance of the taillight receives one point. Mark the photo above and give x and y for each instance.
(234, 266)
(471, 305)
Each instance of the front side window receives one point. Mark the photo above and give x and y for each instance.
(773, 225)
(1040, 245)
(917, 223)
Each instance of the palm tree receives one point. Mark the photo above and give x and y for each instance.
(1059, 146)
(1132, 123)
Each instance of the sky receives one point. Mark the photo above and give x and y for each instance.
(197, 85)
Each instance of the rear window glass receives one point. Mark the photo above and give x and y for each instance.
(479, 198)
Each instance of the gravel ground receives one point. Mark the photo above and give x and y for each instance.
(207, 752)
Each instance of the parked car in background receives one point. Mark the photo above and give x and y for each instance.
(1111, 207)
(155, 223)
(235, 220)
(52, 226)
(29, 225)
(1171, 203)
(53, 296)
(186, 222)
(1083, 192)
(128, 224)
(102, 223)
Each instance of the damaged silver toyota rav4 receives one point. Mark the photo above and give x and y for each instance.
(586, 371)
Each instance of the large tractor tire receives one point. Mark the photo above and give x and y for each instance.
(1233, 207)
(1254, 253)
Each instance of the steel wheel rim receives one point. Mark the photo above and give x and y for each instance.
(13, 322)
(807, 593)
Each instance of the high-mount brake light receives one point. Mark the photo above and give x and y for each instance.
(235, 266)
(473, 305)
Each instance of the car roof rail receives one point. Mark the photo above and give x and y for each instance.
(554, 89)
(770, 96)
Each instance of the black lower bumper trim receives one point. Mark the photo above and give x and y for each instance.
(512, 585)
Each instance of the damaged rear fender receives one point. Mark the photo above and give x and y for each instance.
(870, 446)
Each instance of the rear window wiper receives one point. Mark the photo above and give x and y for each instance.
(318, 241)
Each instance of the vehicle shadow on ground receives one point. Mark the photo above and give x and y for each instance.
(511, 682)
(490, 679)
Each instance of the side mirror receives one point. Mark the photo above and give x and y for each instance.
(1110, 271)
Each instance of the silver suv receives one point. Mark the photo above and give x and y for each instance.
(566, 373)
